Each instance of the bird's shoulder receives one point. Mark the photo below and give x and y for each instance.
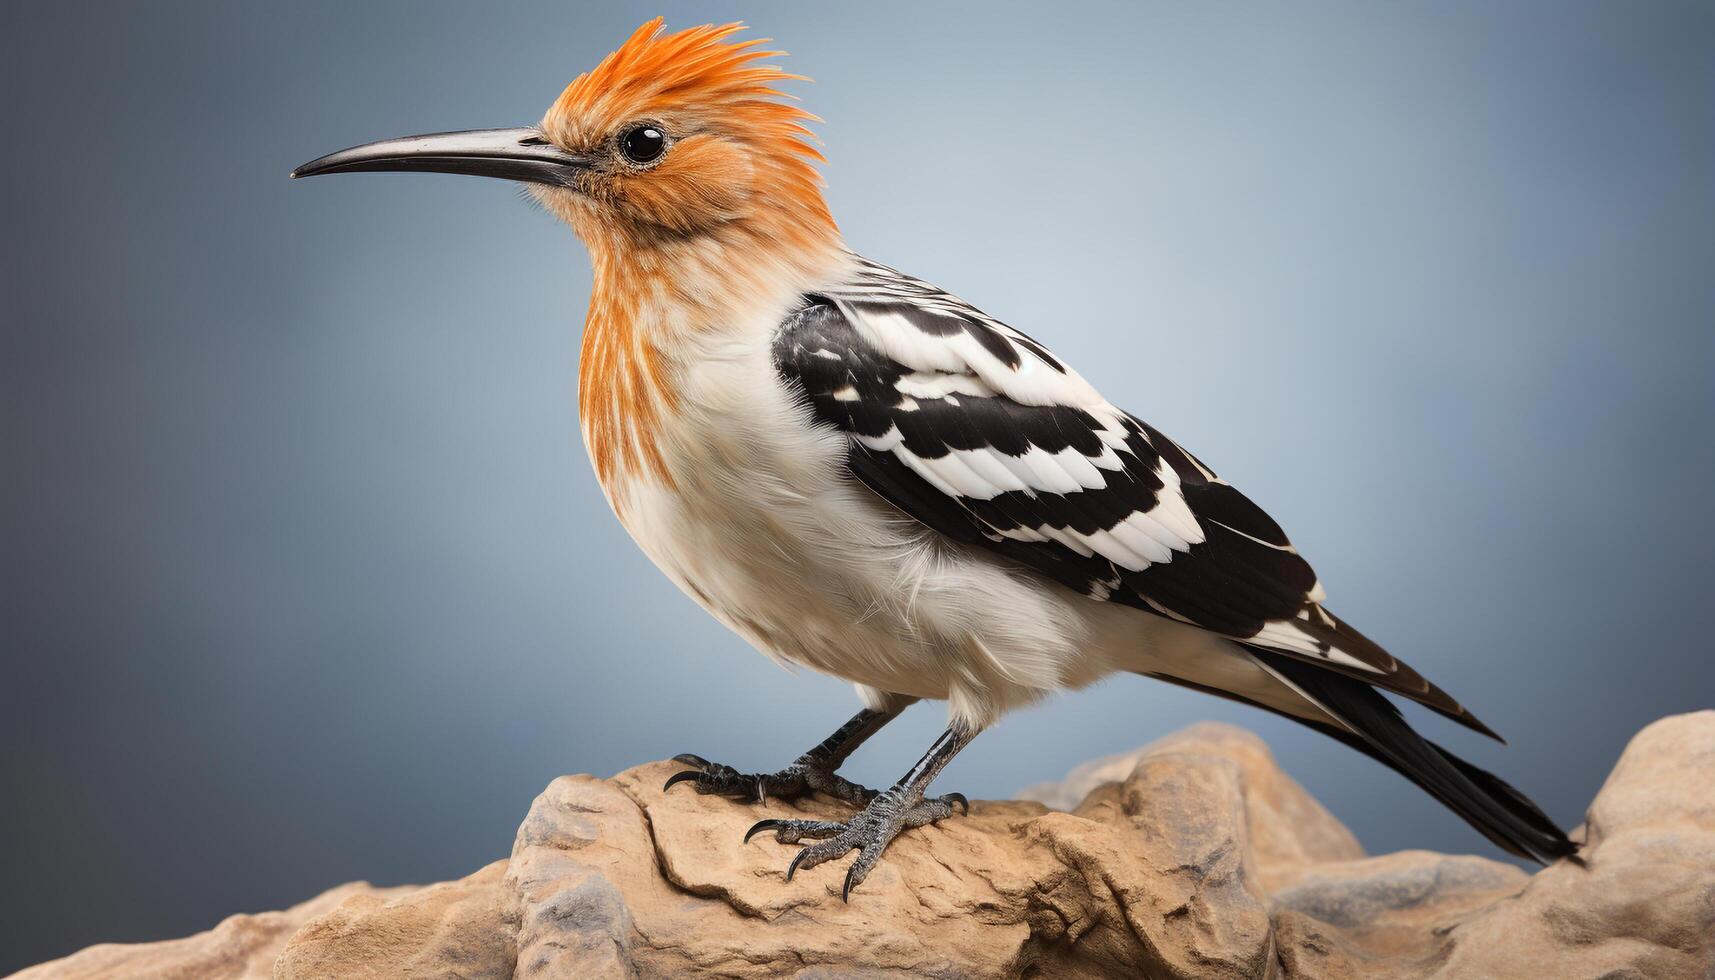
(921, 327)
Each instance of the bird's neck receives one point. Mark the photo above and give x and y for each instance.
(653, 307)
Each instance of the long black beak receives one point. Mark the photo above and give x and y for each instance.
(510, 154)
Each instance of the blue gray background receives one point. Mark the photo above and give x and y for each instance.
(306, 577)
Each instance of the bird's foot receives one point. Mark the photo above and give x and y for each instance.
(801, 778)
(868, 833)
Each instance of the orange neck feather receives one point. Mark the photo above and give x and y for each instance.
(649, 303)
(622, 391)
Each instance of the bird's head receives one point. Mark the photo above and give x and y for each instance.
(673, 139)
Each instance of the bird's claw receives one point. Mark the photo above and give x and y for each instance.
(680, 777)
(797, 780)
(868, 833)
(711, 777)
(793, 831)
(759, 827)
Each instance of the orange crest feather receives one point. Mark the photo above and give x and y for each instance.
(655, 75)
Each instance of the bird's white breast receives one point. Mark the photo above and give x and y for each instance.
(762, 524)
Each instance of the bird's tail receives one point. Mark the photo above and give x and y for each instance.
(1373, 725)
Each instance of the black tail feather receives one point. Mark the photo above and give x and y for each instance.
(1376, 727)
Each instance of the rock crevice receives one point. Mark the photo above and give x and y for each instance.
(1192, 857)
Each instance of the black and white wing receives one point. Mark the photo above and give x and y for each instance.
(978, 432)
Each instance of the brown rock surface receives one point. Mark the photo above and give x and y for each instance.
(1191, 857)
(465, 928)
(242, 947)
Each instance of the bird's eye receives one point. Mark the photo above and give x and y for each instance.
(643, 144)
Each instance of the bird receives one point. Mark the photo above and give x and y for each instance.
(862, 474)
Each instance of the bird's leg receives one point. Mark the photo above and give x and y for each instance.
(899, 808)
(813, 771)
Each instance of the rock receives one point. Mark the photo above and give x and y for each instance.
(467, 928)
(1644, 905)
(1288, 826)
(1194, 856)
(242, 947)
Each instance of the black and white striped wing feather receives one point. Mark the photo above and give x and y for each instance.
(979, 432)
